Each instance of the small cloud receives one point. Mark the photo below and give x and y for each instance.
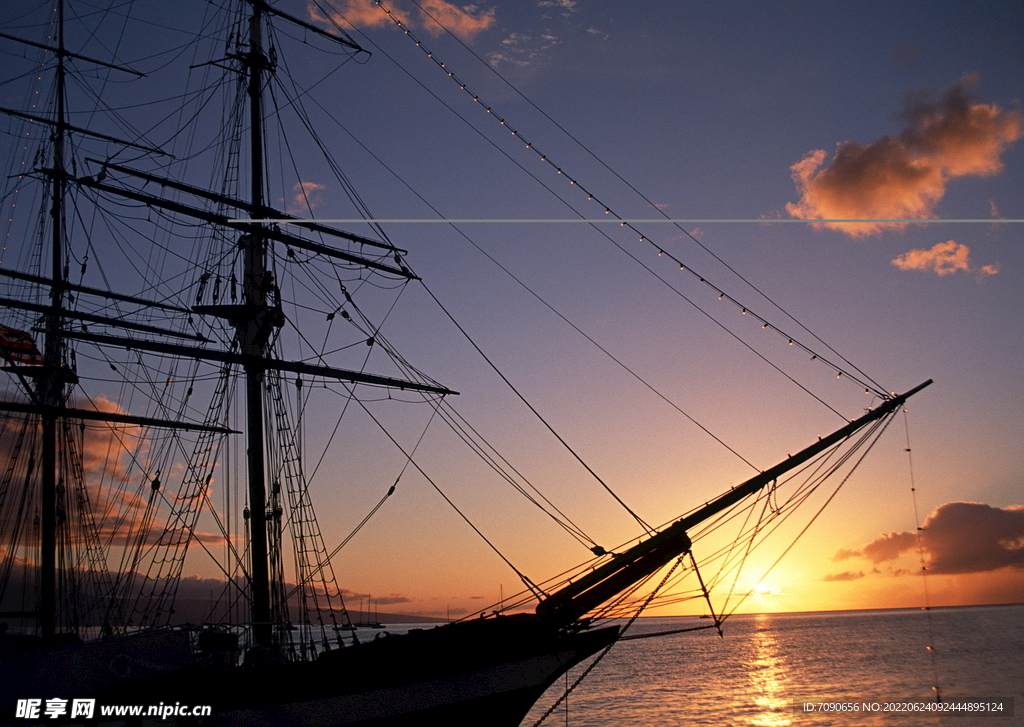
(307, 197)
(599, 33)
(888, 547)
(391, 599)
(844, 576)
(568, 7)
(843, 554)
(960, 537)
(943, 258)
(905, 176)
(354, 13)
(466, 21)
(522, 49)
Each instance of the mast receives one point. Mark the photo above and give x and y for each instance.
(50, 386)
(633, 565)
(261, 314)
(253, 333)
(254, 320)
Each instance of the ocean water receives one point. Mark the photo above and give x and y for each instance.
(766, 662)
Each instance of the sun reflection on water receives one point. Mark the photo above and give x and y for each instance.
(766, 669)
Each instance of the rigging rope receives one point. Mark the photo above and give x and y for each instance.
(372, 512)
(851, 372)
(658, 209)
(920, 554)
(608, 648)
(536, 590)
(870, 439)
(497, 462)
(472, 242)
(707, 595)
(537, 414)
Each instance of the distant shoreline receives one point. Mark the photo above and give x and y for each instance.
(853, 610)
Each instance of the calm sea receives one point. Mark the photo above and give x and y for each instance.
(765, 662)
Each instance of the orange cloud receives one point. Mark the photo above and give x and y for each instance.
(904, 177)
(943, 258)
(112, 458)
(888, 547)
(844, 576)
(307, 197)
(466, 21)
(959, 538)
(353, 13)
(435, 16)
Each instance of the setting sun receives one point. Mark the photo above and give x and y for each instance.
(763, 589)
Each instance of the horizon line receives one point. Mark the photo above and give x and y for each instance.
(615, 220)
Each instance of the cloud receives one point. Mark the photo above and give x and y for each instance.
(434, 16)
(905, 176)
(844, 554)
(466, 21)
(943, 258)
(522, 49)
(354, 13)
(959, 538)
(566, 7)
(113, 459)
(844, 576)
(888, 547)
(306, 198)
(388, 600)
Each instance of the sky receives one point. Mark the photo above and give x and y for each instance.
(731, 111)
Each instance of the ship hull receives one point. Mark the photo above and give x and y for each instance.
(485, 672)
(499, 696)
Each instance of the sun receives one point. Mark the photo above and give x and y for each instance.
(763, 589)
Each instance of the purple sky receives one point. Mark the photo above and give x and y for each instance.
(734, 111)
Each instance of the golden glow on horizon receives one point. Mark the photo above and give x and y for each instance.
(762, 590)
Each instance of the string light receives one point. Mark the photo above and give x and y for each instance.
(590, 197)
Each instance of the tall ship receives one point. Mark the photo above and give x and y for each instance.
(185, 346)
